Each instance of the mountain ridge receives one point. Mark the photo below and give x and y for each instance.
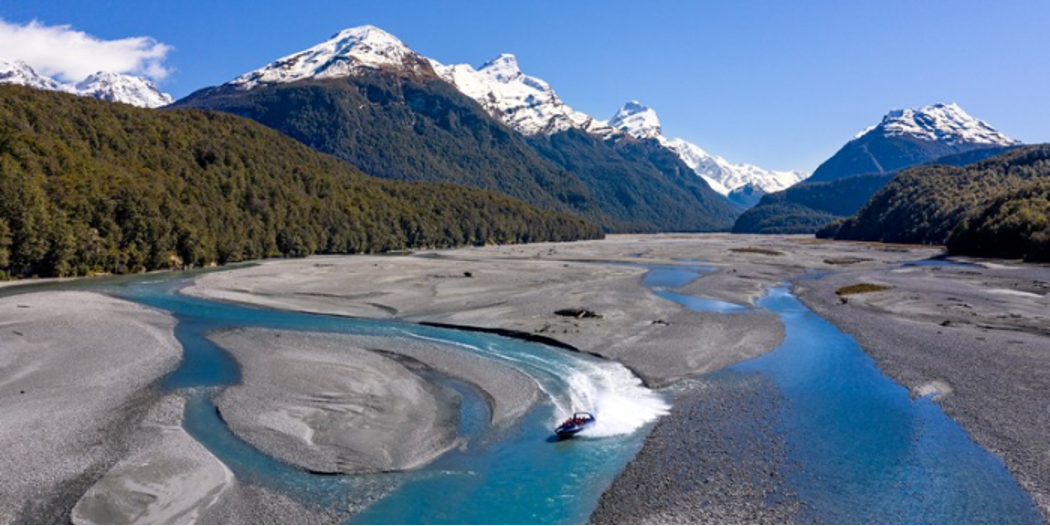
(937, 133)
(109, 86)
(410, 123)
(642, 122)
(527, 104)
(908, 137)
(927, 204)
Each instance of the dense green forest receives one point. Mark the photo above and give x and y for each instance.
(407, 128)
(640, 184)
(925, 204)
(781, 218)
(1014, 225)
(88, 186)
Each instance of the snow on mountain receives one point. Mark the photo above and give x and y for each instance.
(343, 55)
(637, 120)
(525, 103)
(722, 176)
(22, 74)
(946, 123)
(115, 87)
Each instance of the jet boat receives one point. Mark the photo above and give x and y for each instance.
(574, 425)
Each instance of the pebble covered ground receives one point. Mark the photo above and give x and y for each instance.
(717, 458)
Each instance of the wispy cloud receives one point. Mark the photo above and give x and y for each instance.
(71, 55)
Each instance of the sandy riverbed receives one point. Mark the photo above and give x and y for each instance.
(977, 337)
(518, 288)
(76, 376)
(168, 478)
(335, 403)
(329, 408)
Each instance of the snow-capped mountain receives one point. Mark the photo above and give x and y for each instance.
(730, 176)
(113, 87)
(340, 56)
(22, 74)
(530, 106)
(638, 120)
(525, 103)
(909, 137)
(946, 123)
(724, 177)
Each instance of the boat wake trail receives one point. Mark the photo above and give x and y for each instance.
(608, 390)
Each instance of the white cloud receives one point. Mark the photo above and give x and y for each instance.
(71, 55)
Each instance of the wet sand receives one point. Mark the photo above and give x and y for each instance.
(168, 478)
(508, 391)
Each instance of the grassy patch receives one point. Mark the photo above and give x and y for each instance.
(763, 251)
(861, 288)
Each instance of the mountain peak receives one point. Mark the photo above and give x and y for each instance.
(503, 68)
(638, 120)
(342, 55)
(365, 33)
(366, 42)
(945, 123)
(635, 107)
(116, 87)
(525, 103)
(907, 137)
(21, 73)
(104, 85)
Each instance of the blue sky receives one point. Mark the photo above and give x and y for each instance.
(780, 84)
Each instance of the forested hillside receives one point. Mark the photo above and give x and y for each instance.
(809, 206)
(406, 128)
(89, 186)
(644, 186)
(925, 204)
(1015, 225)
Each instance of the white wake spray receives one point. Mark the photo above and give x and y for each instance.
(616, 397)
